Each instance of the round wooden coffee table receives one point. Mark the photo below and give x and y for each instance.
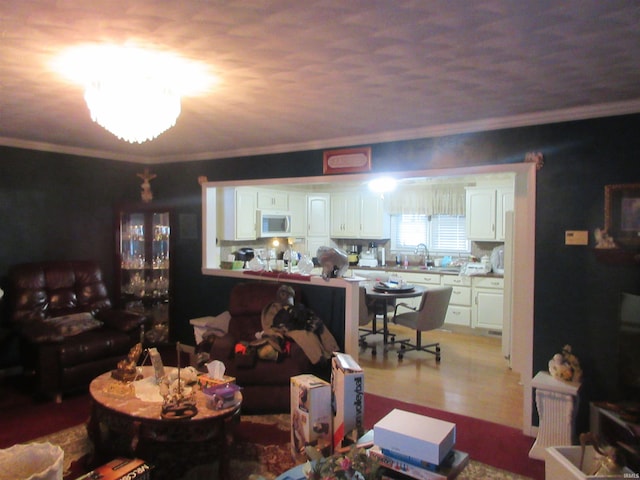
(123, 425)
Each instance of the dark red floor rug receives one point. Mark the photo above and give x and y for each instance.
(497, 445)
(22, 418)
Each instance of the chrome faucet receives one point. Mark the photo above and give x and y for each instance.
(426, 252)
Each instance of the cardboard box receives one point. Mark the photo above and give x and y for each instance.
(449, 469)
(347, 384)
(561, 463)
(413, 435)
(121, 469)
(310, 416)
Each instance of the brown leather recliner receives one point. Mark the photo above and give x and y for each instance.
(265, 383)
(69, 331)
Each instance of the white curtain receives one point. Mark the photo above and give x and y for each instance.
(428, 200)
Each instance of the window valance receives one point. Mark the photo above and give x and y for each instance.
(428, 200)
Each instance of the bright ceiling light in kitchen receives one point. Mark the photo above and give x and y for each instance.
(383, 184)
(132, 92)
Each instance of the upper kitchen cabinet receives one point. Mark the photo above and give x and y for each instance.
(318, 215)
(485, 212)
(318, 225)
(374, 222)
(143, 266)
(345, 215)
(273, 200)
(298, 209)
(356, 215)
(504, 204)
(237, 213)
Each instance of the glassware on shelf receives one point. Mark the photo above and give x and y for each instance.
(144, 242)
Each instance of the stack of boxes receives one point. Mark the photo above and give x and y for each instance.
(327, 416)
(415, 446)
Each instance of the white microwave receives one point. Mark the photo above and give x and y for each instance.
(273, 223)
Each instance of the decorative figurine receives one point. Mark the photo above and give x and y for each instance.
(179, 399)
(146, 194)
(127, 369)
(611, 461)
(603, 239)
(565, 366)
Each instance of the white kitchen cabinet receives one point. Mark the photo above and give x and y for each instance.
(358, 216)
(485, 212)
(504, 204)
(488, 300)
(272, 200)
(298, 209)
(459, 311)
(345, 215)
(481, 213)
(237, 213)
(374, 223)
(318, 213)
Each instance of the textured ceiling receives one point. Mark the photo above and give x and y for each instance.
(300, 74)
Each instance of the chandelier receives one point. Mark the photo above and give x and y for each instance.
(132, 92)
(133, 109)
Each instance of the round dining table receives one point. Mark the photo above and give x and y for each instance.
(383, 297)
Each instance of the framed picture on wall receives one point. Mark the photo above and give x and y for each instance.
(622, 213)
(346, 160)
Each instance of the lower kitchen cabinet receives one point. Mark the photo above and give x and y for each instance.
(488, 299)
(459, 311)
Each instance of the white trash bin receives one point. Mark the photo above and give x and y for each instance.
(32, 461)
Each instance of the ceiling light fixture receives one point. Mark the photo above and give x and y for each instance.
(383, 184)
(132, 92)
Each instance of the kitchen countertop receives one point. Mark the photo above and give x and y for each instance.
(419, 269)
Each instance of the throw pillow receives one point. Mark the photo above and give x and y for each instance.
(74, 323)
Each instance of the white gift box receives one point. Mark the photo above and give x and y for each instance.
(414, 435)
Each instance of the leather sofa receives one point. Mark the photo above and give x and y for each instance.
(68, 329)
(265, 383)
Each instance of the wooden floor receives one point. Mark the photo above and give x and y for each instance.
(472, 379)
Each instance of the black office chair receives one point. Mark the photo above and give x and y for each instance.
(429, 315)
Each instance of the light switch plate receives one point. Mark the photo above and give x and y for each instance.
(576, 237)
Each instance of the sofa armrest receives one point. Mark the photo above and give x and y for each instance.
(121, 320)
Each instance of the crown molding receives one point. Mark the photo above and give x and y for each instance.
(514, 121)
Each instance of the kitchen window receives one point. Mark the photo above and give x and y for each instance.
(443, 234)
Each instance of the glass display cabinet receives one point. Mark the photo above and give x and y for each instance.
(143, 267)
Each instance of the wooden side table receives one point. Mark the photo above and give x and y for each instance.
(557, 402)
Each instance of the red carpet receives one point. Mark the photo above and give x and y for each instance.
(497, 445)
(24, 419)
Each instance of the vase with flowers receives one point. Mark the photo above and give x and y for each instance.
(355, 464)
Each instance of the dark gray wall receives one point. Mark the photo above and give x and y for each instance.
(57, 206)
